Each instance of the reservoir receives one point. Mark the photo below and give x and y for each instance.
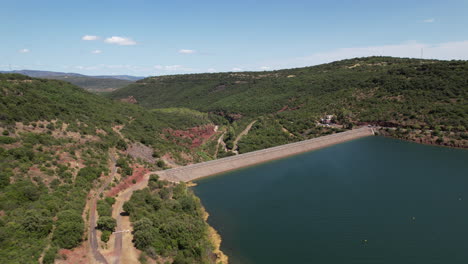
(370, 200)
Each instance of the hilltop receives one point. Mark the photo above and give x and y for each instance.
(103, 83)
(424, 100)
(65, 151)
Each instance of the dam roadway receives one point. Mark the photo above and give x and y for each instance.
(204, 169)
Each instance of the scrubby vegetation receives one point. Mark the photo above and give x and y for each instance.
(168, 222)
(390, 92)
(106, 223)
(42, 200)
(91, 83)
(55, 146)
(57, 141)
(29, 100)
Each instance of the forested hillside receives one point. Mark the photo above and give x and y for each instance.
(58, 145)
(424, 100)
(93, 84)
(90, 83)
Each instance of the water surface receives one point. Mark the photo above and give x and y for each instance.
(371, 200)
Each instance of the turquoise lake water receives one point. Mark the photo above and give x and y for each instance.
(371, 200)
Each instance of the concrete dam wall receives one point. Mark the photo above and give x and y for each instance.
(200, 170)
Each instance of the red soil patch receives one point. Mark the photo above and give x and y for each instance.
(129, 99)
(193, 137)
(65, 158)
(138, 175)
(283, 109)
(77, 255)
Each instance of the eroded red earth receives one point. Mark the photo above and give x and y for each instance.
(136, 177)
(193, 137)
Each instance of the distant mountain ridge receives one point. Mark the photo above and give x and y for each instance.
(49, 74)
(101, 83)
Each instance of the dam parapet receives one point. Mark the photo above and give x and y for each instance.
(212, 167)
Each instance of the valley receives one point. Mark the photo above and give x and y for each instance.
(233, 132)
(97, 178)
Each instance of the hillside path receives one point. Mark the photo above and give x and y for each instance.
(243, 133)
(220, 142)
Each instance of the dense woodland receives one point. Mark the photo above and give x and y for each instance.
(416, 95)
(169, 223)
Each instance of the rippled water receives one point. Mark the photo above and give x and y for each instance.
(372, 200)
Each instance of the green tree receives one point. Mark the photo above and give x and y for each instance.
(49, 257)
(37, 222)
(68, 234)
(106, 223)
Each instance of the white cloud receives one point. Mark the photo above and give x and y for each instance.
(96, 51)
(429, 20)
(236, 69)
(265, 68)
(172, 68)
(24, 51)
(90, 37)
(122, 41)
(177, 68)
(211, 70)
(187, 51)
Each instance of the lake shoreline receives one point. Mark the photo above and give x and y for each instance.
(421, 142)
(336, 200)
(215, 239)
(214, 167)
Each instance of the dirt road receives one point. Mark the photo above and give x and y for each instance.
(220, 143)
(93, 240)
(123, 240)
(92, 234)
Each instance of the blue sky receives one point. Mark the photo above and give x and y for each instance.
(140, 37)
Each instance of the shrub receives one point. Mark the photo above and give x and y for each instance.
(161, 164)
(105, 235)
(106, 223)
(49, 257)
(68, 234)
